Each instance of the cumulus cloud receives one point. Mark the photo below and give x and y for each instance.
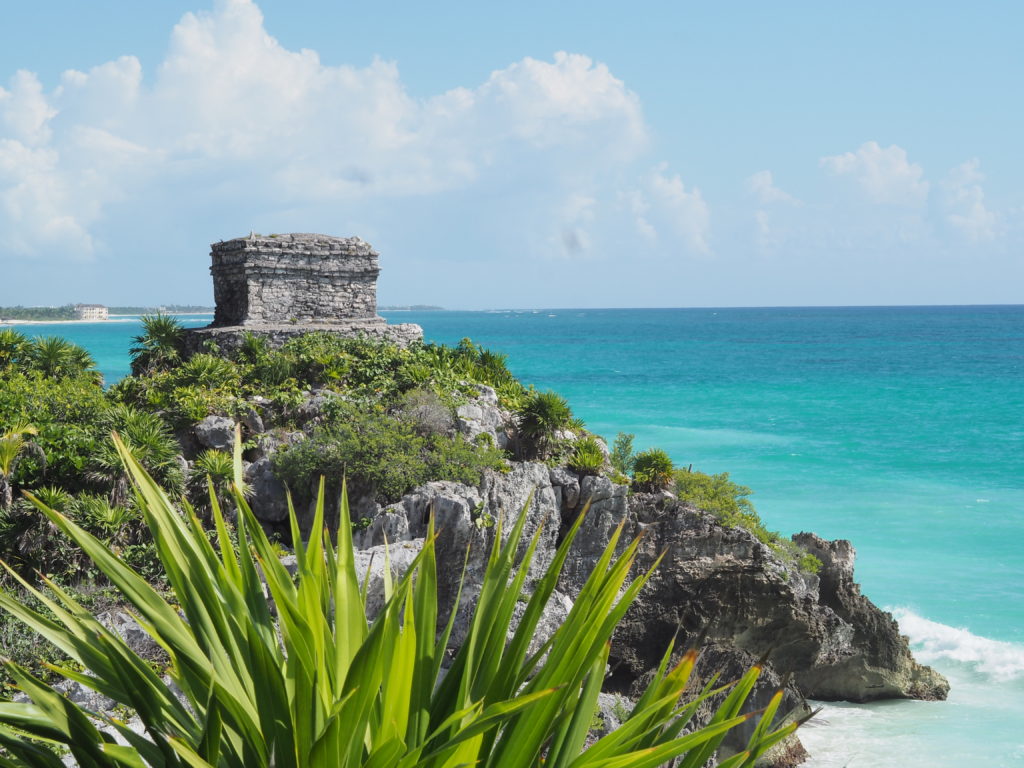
(677, 209)
(964, 200)
(232, 112)
(885, 176)
(762, 186)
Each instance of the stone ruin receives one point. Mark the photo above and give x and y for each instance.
(280, 286)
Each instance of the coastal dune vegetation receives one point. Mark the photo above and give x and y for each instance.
(383, 417)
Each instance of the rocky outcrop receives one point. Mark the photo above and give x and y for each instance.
(880, 665)
(717, 586)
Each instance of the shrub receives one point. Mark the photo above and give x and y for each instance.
(159, 346)
(729, 502)
(328, 686)
(652, 470)
(622, 457)
(380, 455)
(540, 418)
(587, 458)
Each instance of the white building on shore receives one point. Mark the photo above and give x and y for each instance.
(91, 312)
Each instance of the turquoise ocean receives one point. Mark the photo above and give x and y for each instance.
(899, 428)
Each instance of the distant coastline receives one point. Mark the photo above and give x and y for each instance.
(411, 308)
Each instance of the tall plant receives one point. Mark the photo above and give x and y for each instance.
(15, 444)
(322, 685)
(158, 347)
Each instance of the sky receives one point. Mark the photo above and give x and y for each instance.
(528, 154)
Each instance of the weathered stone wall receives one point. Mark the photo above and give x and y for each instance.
(297, 278)
(228, 339)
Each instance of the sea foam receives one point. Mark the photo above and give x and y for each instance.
(931, 641)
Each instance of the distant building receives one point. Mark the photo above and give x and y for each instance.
(91, 312)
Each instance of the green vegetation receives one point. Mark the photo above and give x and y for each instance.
(38, 314)
(587, 457)
(652, 470)
(622, 457)
(541, 417)
(325, 684)
(729, 502)
(382, 455)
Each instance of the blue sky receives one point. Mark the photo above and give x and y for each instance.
(520, 155)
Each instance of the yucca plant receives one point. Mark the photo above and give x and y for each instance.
(321, 685)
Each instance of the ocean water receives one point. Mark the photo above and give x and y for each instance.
(901, 429)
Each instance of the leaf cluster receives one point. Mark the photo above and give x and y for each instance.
(323, 683)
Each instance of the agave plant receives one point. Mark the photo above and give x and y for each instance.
(323, 685)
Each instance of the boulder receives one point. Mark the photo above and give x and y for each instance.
(216, 432)
(269, 500)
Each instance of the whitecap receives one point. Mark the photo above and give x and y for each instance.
(997, 659)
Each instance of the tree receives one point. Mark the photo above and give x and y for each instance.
(14, 348)
(159, 346)
(58, 358)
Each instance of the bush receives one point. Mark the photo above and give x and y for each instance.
(587, 458)
(381, 456)
(652, 470)
(729, 502)
(541, 417)
(326, 685)
(622, 456)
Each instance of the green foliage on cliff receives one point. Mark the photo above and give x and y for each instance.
(730, 503)
(380, 455)
(318, 681)
(652, 470)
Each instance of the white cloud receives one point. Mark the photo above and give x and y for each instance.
(231, 109)
(885, 176)
(681, 210)
(964, 201)
(762, 186)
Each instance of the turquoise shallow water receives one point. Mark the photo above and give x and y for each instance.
(899, 428)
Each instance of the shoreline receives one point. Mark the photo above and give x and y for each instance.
(110, 319)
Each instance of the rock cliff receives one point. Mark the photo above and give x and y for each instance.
(717, 586)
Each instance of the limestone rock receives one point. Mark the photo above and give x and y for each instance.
(879, 665)
(269, 497)
(483, 415)
(370, 564)
(216, 432)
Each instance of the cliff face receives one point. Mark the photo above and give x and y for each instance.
(714, 581)
(716, 586)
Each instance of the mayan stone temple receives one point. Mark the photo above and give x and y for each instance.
(279, 286)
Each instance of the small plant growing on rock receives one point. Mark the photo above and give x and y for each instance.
(587, 458)
(622, 456)
(543, 415)
(652, 470)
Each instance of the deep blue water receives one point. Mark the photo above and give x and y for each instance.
(901, 429)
